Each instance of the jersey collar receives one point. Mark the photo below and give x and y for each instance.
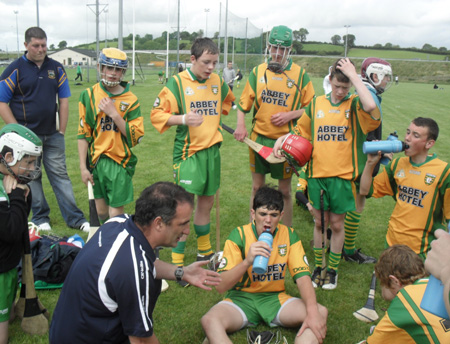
(194, 78)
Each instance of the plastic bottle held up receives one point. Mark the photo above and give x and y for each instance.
(260, 262)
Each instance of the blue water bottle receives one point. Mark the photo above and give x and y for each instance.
(260, 262)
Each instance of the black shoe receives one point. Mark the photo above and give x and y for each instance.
(359, 257)
(183, 284)
(315, 278)
(201, 257)
(331, 278)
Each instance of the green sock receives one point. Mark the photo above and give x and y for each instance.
(318, 257)
(203, 240)
(351, 225)
(333, 260)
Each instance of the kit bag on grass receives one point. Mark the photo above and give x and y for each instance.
(52, 257)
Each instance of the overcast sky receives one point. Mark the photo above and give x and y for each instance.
(407, 23)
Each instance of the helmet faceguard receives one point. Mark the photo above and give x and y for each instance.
(378, 73)
(112, 60)
(279, 48)
(25, 148)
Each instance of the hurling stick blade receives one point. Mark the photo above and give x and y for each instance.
(368, 314)
(265, 152)
(93, 216)
(33, 320)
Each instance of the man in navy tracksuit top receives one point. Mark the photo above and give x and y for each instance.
(114, 283)
(30, 89)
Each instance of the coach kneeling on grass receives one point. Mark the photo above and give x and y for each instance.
(114, 283)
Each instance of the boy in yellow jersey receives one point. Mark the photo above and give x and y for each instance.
(420, 184)
(110, 124)
(253, 298)
(401, 273)
(194, 101)
(337, 125)
(277, 91)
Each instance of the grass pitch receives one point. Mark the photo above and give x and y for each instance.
(178, 311)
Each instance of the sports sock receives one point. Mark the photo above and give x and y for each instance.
(178, 253)
(351, 225)
(333, 260)
(203, 240)
(318, 257)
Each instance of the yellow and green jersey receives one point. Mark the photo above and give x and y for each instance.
(406, 322)
(422, 194)
(337, 133)
(184, 93)
(272, 93)
(287, 253)
(100, 131)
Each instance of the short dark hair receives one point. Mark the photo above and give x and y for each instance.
(433, 128)
(268, 197)
(160, 199)
(34, 32)
(203, 44)
(340, 76)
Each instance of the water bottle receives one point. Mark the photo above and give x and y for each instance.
(388, 146)
(433, 298)
(260, 262)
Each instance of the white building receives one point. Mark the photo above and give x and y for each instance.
(74, 56)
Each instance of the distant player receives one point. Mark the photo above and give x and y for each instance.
(194, 101)
(110, 124)
(277, 90)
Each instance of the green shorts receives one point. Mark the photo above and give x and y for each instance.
(258, 307)
(112, 183)
(200, 173)
(338, 194)
(261, 166)
(8, 287)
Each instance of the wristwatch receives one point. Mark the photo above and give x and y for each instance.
(179, 273)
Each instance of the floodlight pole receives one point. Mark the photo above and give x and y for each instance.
(346, 40)
(17, 30)
(206, 27)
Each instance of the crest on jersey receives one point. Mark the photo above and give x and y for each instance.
(223, 263)
(123, 106)
(320, 114)
(157, 102)
(289, 83)
(347, 114)
(282, 250)
(401, 174)
(51, 74)
(189, 91)
(215, 89)
(261, 80)
(429, 178)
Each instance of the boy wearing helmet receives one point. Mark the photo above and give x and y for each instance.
(110, 124)
(376, 74)
(20, 149)
(278, 89)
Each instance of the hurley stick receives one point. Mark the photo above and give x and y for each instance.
(323, 272)
(367, 313)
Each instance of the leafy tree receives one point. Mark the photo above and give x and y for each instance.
(351, 40)
(297, 47)
(427, 47)
(443, 49)
(184, 35)
(300, 35)
(336, 40)
(62, 45)
(216, 35)
(378, 46)
(388, 45)
(52, 47)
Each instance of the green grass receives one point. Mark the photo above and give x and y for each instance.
(178, 312)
